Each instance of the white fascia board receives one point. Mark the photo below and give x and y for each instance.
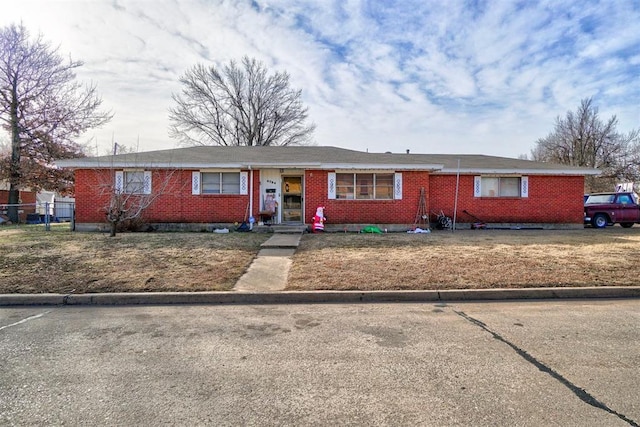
(82, 164)
(142, 165)
(279, 165)
(378, 166)
(450, 171)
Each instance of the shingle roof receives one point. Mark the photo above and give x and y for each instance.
(317, 157)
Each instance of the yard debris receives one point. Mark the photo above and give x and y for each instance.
(419, 230)
(243, 227)
(443, 222)
(371, 229)
(479, 224)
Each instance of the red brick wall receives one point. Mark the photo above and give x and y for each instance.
(552, 199)
(364, 211)
(176, 204)
(26, 197)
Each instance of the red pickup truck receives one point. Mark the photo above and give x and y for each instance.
(602, 209)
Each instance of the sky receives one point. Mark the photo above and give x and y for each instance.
(429, 76)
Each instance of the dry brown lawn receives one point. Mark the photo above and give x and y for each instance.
(467, 259)
(34, 261)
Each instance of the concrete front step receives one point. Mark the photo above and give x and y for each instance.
(289, 229)
(282, 241)
(280, 229)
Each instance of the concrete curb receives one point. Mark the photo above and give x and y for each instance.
(317, 297)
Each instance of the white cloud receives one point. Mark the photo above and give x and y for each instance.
(421, 75)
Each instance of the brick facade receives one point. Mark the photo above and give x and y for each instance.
(26, 198)
(176, 204)
(552, 199)
(365, 211)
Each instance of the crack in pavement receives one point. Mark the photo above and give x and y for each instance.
(581, 393)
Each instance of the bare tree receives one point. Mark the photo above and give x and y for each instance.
(581, 138)
(43, 108)
(127, 196)
(238, 105)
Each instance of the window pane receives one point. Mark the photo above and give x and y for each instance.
(490, 187)
(134, 182)
(231, 183)
(344, 186)
(211, 183)
(384, 186)
(624, 199)
(509, 187)
(364, 186)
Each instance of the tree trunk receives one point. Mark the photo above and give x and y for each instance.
(114, 225)
(12, 209)
(14, 166)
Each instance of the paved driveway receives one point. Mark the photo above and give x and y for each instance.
(515, 363)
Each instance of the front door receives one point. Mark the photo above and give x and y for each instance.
(292, 199)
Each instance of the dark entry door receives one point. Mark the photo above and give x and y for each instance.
(292, 199)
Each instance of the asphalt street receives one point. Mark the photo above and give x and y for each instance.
(493, 363)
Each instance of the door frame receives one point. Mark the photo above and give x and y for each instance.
(283, 180)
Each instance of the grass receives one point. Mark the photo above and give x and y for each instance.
(60, 261)
(467, 259)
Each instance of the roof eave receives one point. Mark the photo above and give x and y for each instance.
(79, 164)
(399, 166)
(496, 171)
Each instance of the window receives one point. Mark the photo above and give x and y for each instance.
(364, 186)
(600, 198)
(344, 186)
(500, 187)
(134, 182)
(220, 183)
(624, 199)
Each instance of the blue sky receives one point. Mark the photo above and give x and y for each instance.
(448, 76)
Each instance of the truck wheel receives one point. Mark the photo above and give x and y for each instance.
(626, 225)
(599, 221)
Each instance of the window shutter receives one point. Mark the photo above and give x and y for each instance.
(147, 182)
(477, 186)
(331, 185)
(524, 186)
(119, 184)
(397, 186)
(195, 182)
(244, 183)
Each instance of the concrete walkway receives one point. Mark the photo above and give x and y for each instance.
(270, 269)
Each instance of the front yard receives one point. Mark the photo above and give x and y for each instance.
(61, 261)
(468, 259)
(35, 261)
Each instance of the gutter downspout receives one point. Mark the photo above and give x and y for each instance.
(455, 203)
(250, 198)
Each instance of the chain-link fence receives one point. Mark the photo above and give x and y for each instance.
(40, 213)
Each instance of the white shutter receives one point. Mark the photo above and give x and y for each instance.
(397, 186)
(524, 186)
(119, 184)
(195, 182)
(477, 186)
(244, 183)
(331, 185)
(147, 182)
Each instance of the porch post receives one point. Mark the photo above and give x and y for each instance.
(250, 197)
